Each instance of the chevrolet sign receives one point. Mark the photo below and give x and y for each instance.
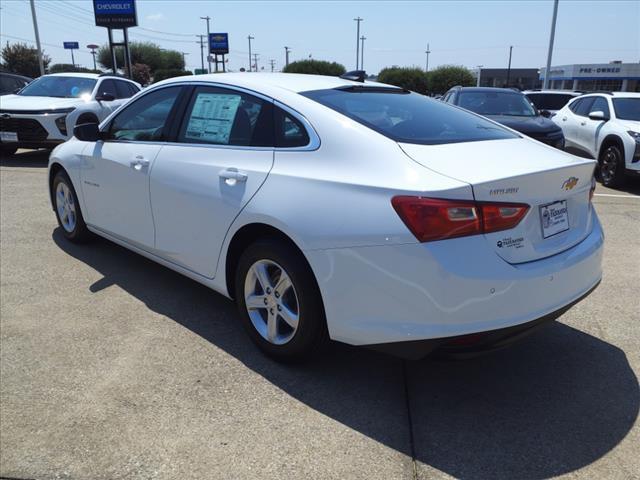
(115, 13)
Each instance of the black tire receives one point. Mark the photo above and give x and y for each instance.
(611, 166)
(311, 334)
(79, 233)
(8, 151)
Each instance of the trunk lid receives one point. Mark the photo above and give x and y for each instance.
(554, 184)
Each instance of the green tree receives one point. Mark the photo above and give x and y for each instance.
(443, 78)
(67, 67)
(163, 74)
(413, 79)
(315, 67)
(146, 53)
(22, 59)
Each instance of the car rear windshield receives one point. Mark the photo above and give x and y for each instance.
(61, 87)
(512, 104)
(408, 117)
(627, 108)
(549, 101)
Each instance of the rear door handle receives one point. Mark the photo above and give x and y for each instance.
(139, 162)
(564, 119)
(583, 123)
(232, 176)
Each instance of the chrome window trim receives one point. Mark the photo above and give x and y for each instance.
(314, 139)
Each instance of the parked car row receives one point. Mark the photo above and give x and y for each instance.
(604, 126)
(340, 208)
(44, 112)
(11, 83)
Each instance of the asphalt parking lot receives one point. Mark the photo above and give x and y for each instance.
(114, 367)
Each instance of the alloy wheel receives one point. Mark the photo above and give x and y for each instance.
(271, 301)
(609, 165)
(66, 207)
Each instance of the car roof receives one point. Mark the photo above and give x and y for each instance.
(14, 75)
(613, 94)
(74, 74)
(559, 92)
(487, 89)
(293, 82)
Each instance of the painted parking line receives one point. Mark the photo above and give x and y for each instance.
(615, 195)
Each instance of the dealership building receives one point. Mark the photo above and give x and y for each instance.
(614, 76)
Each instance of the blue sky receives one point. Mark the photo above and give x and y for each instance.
(465, 33)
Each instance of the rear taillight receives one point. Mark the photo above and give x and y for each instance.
(432, 219)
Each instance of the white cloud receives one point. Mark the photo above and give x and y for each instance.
(155, 17)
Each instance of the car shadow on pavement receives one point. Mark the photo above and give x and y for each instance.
(554, 403)
(26, 158)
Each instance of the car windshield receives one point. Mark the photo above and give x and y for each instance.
(61, 87)
(627, 108)
(549, 101)
(497, 103)
(408, 117)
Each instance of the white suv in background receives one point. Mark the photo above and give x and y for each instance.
(604, 126)
(44, 113)
(550, 100)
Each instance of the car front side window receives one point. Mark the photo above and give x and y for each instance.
(146, 118)
(220, 116)
(600, 105)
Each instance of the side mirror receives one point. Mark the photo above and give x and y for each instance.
(105, 97)
(545, 113)
(87, 132)
(598, 115)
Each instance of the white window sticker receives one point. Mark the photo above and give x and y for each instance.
(212, 117)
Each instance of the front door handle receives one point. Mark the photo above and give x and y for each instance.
(139, 162)
(583, 123)
(564, 119)
(232, 176)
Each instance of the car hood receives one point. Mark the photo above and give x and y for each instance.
(630, 125)
(22, 102)
(526, 125)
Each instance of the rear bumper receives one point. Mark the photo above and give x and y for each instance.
(410, 292)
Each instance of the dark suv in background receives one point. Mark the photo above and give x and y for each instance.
(510, 108)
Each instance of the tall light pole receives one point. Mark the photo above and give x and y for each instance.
(201, 42)
(250, 38)
(286, 55)
(362, 39)
(509, 67)
(479, 73)
(207, 18)
(93, 47)
(358, 20)
(428, 51)
(35, 28)
(551, 38)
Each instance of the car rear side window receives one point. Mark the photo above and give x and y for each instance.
(289, 131)
(409, 117)
(549, 101)
(145, 119)
(123, 89)
(221, 116)
(584, 106)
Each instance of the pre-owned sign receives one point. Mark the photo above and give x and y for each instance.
(219, 43)
(115, 13)
(71, 45)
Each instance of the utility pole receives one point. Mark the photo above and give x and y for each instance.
(551, 38)
(35, 28)
(184, 59)
(255, 60)
(207, 18)
(426, 68)
(362, 39)
(286, 55)
(93, 47)
(358, 20)
(273, 64)
(201, 42)
(250, 38)
(509, 67)
(479, 73)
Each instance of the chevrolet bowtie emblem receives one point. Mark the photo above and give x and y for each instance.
(569, 183)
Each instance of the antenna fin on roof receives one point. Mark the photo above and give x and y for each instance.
(355, 75)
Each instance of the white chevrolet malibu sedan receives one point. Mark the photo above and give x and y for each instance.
(336, 208)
